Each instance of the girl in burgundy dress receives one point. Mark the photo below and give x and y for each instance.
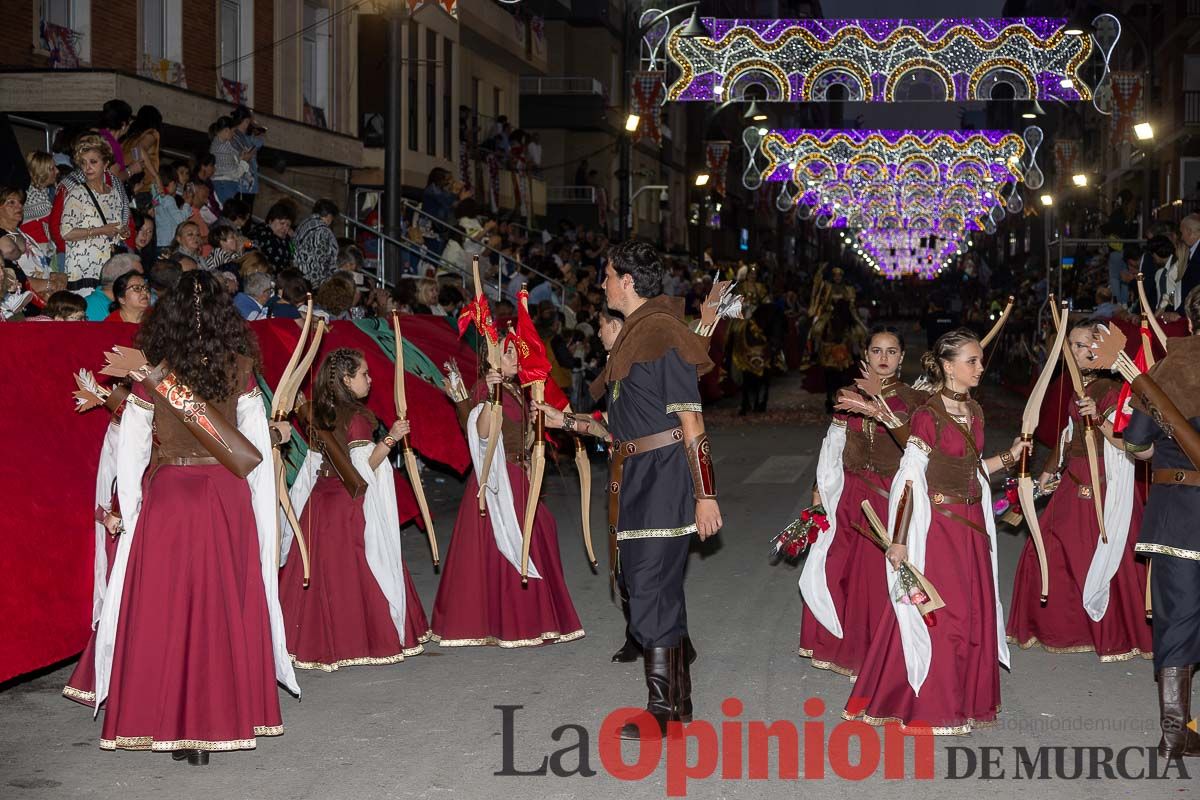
(1099, 589)
(941, 674)
(189, 643)
(361, 606)
(481, 600)
(843, 581)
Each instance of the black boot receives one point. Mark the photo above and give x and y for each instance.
(683, 682)
(661, 675)
(630, 651)
(689, 652)
(1174, 704)
(197, 758)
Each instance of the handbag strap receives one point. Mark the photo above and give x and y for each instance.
(96, 203)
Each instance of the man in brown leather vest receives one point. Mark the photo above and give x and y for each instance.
(661, 485)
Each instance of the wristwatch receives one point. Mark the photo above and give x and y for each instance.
(389, 441)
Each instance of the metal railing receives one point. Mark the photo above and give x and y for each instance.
(571, 195)
(559, 286)
(47, 128)
(1191, 103)
(561, 84)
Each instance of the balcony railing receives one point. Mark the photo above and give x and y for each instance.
(1191, 104)
(570, 195)
(561, 85)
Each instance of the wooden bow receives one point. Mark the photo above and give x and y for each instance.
(537, 472)
(1090, 427)
(584, 467)
(282, 404)
(495, 408)
(410, 460)
(1029, 421)
(1000, 323)
(1148, 312)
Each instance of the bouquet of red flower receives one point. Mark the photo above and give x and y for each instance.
(1007, 507)
(912, 589)
(792, 543)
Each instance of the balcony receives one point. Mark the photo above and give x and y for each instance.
(571, 103)
(1191, 105)
(571, 195)
(501, 36)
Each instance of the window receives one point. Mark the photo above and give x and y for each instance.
(411, 64)
(58, 12)
(316, 59)
(236, 26)
(447, 91)
(431, 92)
(63, 30)
(231, 39)
(154, 29)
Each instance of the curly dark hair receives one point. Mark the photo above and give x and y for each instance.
(330, 393)
(198, 332)
(640, 260)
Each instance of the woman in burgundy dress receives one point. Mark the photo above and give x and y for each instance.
(1097, 604)
(189, 644)
(361, 606)
(941, 673)
(481, 600)
(843, 581)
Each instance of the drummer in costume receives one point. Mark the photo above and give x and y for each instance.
(941, 673)
(661, 488)
(1170, 535)
(1098, 600)
(361, 606)
(189, 644)
(843, 582)
(481, 598)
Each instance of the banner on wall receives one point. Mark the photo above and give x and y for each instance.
(1066, 153)
(646, 96)
(1129, 104)
(716, 161)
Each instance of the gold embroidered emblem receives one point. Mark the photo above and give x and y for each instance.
(616, 392)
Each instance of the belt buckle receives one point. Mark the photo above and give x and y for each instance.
(938, 498)
(1179, 476)
(630, 448)
(1085, 492)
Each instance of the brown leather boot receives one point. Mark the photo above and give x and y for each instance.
(661, 675)
(683, 682)
(1174, 704)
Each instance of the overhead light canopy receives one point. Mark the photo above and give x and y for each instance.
(632, 122)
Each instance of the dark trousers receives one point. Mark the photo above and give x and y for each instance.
(1175, 593)
(652, 572)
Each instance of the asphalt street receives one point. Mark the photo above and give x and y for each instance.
(430, 728)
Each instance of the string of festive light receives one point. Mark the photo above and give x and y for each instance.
(885, 60)
(895, 253)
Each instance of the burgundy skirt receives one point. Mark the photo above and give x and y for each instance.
(1070, 532)
(480, 599)
(962, 688)
(856, 571)
(192, 666)
(342, 619)
(81, 687)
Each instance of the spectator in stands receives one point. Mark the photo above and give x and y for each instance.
(249, 138)
(316, 244)
(93, 216)
(228, 281)
(186, 263)
(336, 296)
(455, 255)
(115, 119)
(164, 277)
(100, 299)
(251, 302)
(533, 154)
(187, 241)
(202, 215)
(274, 239)
(39, 198)
(64, 306)
(205, 168)
(143, 242)
(252, 262)
(226, 246)
(236, 214)
(291, 293)
(450, 301)
(1105, 307)
(140, 146)
(168, 213)
(230, 163)
(131, 298)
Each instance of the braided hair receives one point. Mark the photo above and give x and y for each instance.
(330, 394)
(946, 348)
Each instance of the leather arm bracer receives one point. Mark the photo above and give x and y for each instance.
(699, 455)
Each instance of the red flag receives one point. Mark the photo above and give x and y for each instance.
(1124, 411)
(532, 363)
(478, 311)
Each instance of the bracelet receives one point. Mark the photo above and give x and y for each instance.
(569, 421)
(1007, 460)
(389, 441)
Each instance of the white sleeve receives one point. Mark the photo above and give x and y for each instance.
(1118, 512)
(381, 537)
(814, 585)
(252, 422)
(306, 478)
(106, 475)
(914, 635)
(501, 507)
(134, 445)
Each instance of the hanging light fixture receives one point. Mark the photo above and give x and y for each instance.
(695, 28)
(754, 113)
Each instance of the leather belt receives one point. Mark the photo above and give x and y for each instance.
(186, 461)
(1180, 477)
(616, 470)
(943, 499)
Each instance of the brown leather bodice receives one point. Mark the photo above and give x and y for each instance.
(870, 446)
(513, 428)
(953, 465)
(171, 436)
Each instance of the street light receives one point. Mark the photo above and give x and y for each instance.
(1047, 200)
(702, 179)
(1079, 180)
(632, 122)
(695, 28)
(754, 113)
(1032, 110)
(1144, 131)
